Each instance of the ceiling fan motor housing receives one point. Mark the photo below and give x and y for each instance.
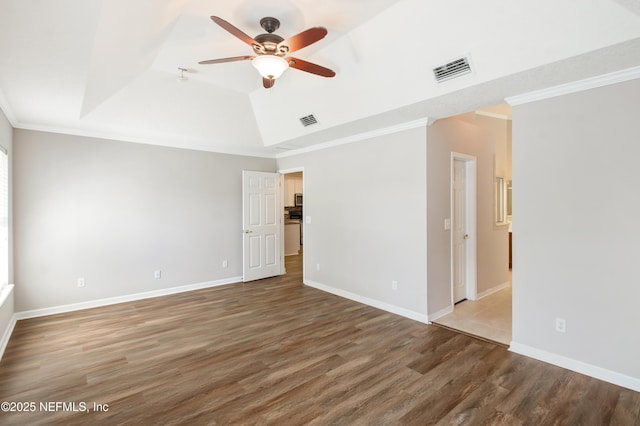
(269, 42)
(269, 24)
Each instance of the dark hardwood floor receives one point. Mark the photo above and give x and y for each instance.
(277, 352)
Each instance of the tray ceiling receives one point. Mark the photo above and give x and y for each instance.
(108, 68)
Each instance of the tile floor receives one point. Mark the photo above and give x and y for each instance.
(489, 317)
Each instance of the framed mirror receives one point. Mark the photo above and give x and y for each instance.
(501, 200)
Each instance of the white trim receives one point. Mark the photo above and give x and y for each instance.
(5, 291)
(600, 373)
(123, 299)
(440, 313)
(203, 146)
(493, 115)
(292, 170)
(7, 334)
(6, 108)
(370, 302)
(493, 290)
(575, 86)
(449, 309)
(359, 137)
(193, 145)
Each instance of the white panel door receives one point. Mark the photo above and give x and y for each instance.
(262, 225)
(460, 235)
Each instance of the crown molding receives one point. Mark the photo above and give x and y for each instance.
(576, 86)
(6, 109)
(493, 115)
(146, 140)
(423, 122)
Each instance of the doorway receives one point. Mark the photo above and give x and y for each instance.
(480, 306)
(293, 205)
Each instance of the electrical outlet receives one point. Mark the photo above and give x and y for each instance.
(81, 282)
(561, 325)
(157, 274)
(225, 264)
(394, 285)
(317, 266)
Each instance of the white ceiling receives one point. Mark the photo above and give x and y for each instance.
(108, 68)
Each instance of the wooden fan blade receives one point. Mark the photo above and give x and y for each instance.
(304, 39)
(222, 60)
(268, 83)
(234, 31)
(310, 67)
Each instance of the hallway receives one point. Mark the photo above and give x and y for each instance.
(489, 317)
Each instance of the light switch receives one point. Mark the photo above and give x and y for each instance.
(447, 224)
(307, 219)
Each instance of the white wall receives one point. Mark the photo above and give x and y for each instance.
(499, 130)
(114, 212)
(7, 300)
(577, 232)
(367, 203)
(460, 135)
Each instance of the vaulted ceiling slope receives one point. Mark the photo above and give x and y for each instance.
(108, 68)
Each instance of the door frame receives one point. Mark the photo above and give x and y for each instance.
(304, 222)
(471, 226)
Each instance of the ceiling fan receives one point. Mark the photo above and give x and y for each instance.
(271, 50)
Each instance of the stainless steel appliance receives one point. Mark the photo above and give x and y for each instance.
(295, 213)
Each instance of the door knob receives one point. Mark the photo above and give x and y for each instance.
(248, 231)
(466, 236)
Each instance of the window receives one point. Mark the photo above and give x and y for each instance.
(4, 218)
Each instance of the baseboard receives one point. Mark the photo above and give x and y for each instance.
(122, 299)
(493, 290)
(7, 335)
(416, 316)
(7, 314)
(479, 296)
(600, 373)
(440, 313)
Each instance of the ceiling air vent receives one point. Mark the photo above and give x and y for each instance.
(308, 120)
(452, 69)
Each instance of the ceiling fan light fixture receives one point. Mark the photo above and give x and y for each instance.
(270, 50)
(270, 66)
